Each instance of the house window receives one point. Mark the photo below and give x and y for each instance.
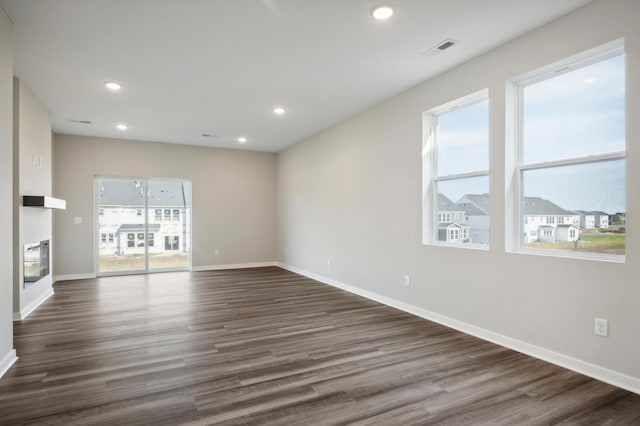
(571, 147)
(103, 238)
(456, 168)
(176, 214)
(110, 237)
(151, 239)
(158, 215)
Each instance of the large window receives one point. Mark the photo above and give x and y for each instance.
(571, 157)
(458, 147)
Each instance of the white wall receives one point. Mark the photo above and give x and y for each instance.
(32, 176)
(7, 354)
(353, 193)
(233, 197)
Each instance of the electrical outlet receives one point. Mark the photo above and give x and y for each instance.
(328, 261)
(216, 252)
(77, 220)
(407, 280)
(601, 327)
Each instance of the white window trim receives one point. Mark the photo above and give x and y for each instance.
(429, 166)
(515, 93)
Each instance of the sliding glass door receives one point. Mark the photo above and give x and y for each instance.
(143, 225)
(169, 218)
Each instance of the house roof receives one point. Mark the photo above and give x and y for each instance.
(566, 225)
(599, 213)
(120, 192)
(583, 212)
(536, 206)
(445, 204)
(471, 209)
(481, 201)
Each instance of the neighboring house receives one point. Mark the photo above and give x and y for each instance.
(587, 219)
(542, 217)
(476, 209)
(451, 221)
(121, 218)
(590, 220)
(601, 219)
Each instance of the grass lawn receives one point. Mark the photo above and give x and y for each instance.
(589, 242)
(136, 261)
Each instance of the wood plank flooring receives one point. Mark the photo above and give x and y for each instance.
(269, 347)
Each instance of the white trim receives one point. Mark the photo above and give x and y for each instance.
(7, 362)
(28, 310)
(234, 266)
(72, 277)
(614, 378)
(587, 159)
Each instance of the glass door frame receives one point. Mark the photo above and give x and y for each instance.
(96, 224)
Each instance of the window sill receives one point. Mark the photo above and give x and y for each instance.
(600, 257)
(469, 246)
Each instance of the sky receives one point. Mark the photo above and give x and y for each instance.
(577, 113)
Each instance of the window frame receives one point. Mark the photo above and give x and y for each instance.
(430, 179)
(573, 63)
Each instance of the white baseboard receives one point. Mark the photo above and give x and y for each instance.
(72, 277)
(233, 266)
(24, 313)
(7, 362)
(614, 378)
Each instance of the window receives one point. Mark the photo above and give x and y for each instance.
(571, 153)
(158, 214)
(457, 170)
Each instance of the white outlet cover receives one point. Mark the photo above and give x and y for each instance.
(601, 327)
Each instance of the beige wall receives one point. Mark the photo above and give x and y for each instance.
(6, 193)
(233, 197)
(32, 176)
(353, 194)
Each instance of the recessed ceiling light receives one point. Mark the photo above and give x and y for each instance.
(382, 12)
(113, 86)
(122, 126)
(242, 139)
(279, 110)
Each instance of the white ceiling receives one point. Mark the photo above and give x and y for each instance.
(190, 67)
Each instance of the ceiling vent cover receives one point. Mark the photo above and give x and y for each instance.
(440, 47)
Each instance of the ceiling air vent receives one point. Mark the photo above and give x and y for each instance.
(80, 121)
(444, 46)
(440, 47)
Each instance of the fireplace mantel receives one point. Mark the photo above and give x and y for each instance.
(44, 202)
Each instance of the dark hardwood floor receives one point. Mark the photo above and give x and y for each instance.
(266, 346)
